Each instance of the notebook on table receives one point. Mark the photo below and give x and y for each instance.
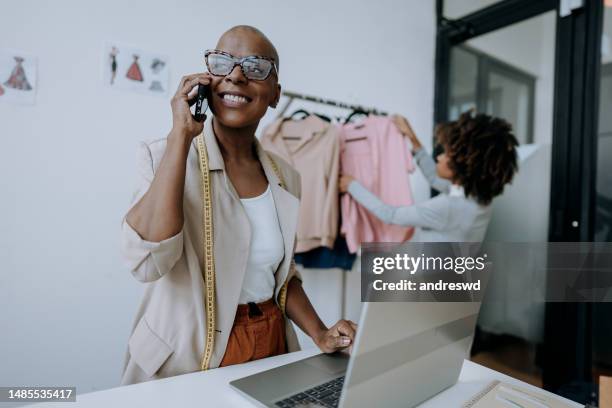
(503, 395)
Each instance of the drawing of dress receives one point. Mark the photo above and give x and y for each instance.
(113, 58)
(134, 73)
(156, 86)
(157, 65)
(18, 79)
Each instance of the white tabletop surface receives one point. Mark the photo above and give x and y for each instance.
(212, 389)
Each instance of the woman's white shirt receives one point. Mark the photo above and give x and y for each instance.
(266, 250)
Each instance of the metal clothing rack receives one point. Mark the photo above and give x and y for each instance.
(316, 99)
(293, 96)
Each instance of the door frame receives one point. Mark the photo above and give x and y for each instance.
(453, 32)
(574, 153)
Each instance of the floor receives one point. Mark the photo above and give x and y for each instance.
(508, 355)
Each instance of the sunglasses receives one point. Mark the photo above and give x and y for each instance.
(254, 67)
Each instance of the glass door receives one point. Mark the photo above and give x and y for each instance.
(509, 73)
(566, 145)
(480, 81)
(603, 186)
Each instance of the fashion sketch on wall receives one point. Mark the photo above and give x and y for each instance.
(18, 74)
(132, 69)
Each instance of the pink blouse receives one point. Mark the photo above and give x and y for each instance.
(376, 154)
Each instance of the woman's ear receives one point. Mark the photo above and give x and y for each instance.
(277, 96)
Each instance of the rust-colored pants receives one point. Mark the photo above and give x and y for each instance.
(258, 332)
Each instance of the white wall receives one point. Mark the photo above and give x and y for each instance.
(455, 9)
(67, 164)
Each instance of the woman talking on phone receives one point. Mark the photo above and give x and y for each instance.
(212, 228)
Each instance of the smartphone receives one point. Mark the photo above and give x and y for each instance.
(201, 104)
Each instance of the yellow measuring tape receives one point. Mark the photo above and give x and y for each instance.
(209, 269)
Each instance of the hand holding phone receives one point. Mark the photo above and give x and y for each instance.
(201, 104)
(192, 89)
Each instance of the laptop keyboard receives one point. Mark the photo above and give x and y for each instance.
(325, 395)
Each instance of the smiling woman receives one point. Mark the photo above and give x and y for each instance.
(213, 202)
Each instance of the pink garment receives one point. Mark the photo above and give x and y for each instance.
(376, 154)
(312, 147)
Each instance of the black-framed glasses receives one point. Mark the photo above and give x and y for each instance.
(255, 67)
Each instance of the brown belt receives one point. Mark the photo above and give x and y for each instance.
(258, 332)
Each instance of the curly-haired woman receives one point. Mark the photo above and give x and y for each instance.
(479, 158)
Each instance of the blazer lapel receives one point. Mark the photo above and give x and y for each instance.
(287, 208)
(232, 235)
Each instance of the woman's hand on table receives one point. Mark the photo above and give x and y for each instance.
(338, 337)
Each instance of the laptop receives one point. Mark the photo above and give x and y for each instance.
(404, 353)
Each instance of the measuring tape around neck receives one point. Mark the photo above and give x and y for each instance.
(209, 268)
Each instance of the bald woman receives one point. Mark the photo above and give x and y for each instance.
(227, 296)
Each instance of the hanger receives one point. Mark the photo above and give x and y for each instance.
(305, 114)
(325, 118)
(355, 112)
(302, 112)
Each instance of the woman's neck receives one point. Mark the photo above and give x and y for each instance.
(236, 144)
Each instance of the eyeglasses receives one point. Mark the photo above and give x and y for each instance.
(255, 67)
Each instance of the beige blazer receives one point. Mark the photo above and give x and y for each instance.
(169, 331)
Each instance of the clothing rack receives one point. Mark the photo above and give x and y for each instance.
(291, 97)
(294, 95)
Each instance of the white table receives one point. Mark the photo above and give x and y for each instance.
(212, 389)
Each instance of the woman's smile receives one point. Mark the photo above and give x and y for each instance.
(234, 99)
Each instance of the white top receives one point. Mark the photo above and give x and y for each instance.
(448, 217)
(266, 251)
